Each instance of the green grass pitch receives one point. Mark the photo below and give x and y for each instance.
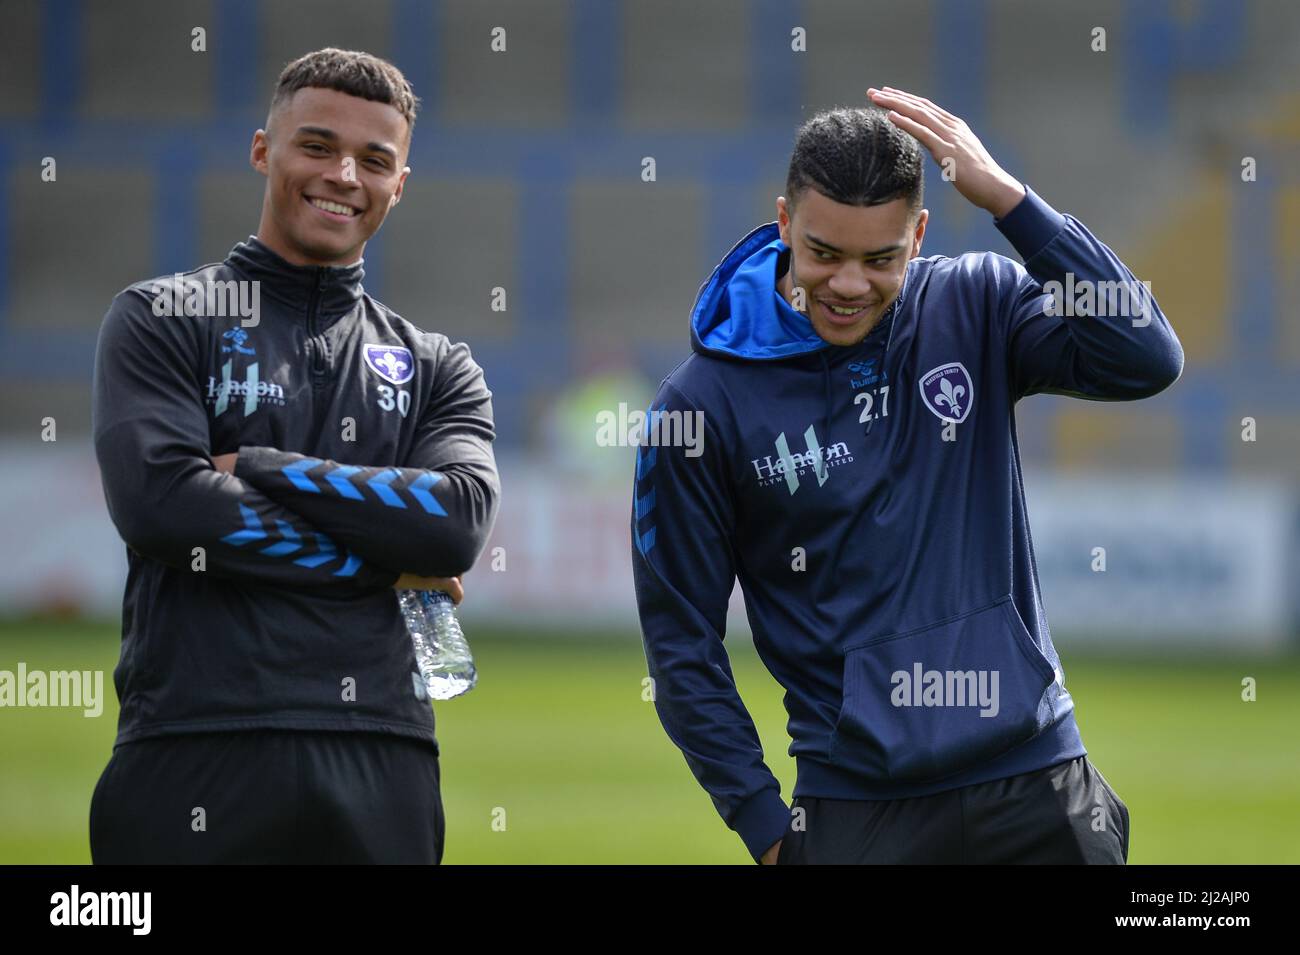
(557, 734)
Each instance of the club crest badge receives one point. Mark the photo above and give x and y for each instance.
(390, 362)
(948, 391)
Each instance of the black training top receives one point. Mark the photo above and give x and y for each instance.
(264, 599)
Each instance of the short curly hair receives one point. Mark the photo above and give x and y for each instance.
(856, 157)
(352, 72)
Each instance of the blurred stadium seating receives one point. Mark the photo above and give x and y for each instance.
(527, 176)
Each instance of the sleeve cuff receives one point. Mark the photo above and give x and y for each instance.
(1031, 225)
(761, 821)
(248, 463)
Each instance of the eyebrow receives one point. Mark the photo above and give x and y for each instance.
(868, 255)
(332, 136)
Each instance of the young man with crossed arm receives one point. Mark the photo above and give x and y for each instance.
(274, 482)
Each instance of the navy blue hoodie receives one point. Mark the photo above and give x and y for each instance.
(869, 499)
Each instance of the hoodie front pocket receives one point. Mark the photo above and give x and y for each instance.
(928, 703)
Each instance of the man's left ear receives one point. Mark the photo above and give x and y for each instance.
(401, 183)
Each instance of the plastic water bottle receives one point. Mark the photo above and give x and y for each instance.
(441, 653)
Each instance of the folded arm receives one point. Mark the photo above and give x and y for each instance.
(430, 517)
(164, 496)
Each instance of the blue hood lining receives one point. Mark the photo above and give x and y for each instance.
(740, 314)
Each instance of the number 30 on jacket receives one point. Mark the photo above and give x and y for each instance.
(387, 402)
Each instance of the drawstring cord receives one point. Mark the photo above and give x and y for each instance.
(883, 361)
(826, 413)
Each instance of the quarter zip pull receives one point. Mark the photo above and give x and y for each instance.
(318, 367)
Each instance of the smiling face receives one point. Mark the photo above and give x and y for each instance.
(849, 260)
(334, 165)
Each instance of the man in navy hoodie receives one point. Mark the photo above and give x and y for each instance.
(859, 474)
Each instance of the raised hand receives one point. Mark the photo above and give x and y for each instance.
(954, 147)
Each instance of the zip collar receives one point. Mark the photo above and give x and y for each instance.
(335, 290)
